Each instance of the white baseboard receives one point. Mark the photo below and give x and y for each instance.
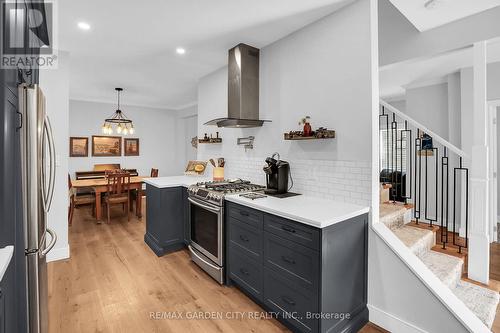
(59, 253)
(389, 322)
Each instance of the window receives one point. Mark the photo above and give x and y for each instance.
(392, 156)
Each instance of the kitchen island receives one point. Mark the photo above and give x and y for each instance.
(302, 258)
(167, 228)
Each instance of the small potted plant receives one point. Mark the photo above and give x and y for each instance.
(307, 126)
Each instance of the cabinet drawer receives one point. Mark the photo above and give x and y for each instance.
(246, 237)
(291, 302)
(246, 272)
(247, 215)
(296, 261)
(294, 231)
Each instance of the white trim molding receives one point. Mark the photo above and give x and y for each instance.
(479, 245)
(391, 323)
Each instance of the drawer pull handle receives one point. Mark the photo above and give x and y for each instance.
(244, 271)
(288, 300)
(244, 238)
(288, 259)
(244, 213)
(292, 230)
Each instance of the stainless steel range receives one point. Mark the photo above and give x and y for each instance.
(206, 218)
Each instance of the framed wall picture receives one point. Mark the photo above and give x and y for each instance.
(106, 145)
(131, 146)
(78, 146)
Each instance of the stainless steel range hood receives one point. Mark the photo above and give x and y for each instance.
(243, 89)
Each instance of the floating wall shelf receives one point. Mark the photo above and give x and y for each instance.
(210, 142)
(297, 136)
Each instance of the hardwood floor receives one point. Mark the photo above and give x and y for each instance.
(495, 279)
(114, 283)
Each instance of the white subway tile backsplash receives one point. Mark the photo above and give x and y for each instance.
(347, 181)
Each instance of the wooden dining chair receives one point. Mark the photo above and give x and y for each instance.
(118, 191)
(76, 199)
(134, 193)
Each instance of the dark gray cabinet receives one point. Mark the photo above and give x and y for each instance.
(185, 223)
(314, 279)
(8, 310)
(165, 219)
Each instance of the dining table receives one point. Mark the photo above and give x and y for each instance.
(100, 186)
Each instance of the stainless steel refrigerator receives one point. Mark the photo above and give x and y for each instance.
(38, 180)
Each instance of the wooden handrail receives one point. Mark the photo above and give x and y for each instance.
(418, 125)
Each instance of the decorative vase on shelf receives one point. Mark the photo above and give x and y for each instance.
(307, 129)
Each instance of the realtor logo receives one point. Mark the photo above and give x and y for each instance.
(27, 41)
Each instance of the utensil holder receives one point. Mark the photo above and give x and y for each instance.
(218, 174)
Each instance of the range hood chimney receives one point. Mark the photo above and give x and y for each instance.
(243, 89)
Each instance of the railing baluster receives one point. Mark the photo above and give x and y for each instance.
(444, 165)
(435, 153)
(466, 172)
(407, 194)
(418, 171)
(394, 157)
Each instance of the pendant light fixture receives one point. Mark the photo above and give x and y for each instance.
(123, 124)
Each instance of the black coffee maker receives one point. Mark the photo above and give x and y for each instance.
(277, 173)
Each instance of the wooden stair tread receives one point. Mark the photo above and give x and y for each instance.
(449, 251)
(425, 226)
(490, 287)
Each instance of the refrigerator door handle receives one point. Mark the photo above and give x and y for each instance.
(53, 241)
(52, 163)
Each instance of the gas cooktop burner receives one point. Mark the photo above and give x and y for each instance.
(214, 191)
(223, 182)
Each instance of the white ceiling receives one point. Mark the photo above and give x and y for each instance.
(395, 79)
(131, 44)
(440, 12)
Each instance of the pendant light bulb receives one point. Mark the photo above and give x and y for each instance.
(125, 131)
(119, 129)
(110, 130)
(131, 131)
(104, 128)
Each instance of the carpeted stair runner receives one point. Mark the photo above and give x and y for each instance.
(481, 301)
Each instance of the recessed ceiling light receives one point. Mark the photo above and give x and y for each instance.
(180, 50)
(84, 25)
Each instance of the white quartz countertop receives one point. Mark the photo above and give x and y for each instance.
(5, 257)
(174, 181)
(317, 212)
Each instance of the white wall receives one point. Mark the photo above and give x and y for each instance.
(429, 106)
(323, 71)
(157, 130)
(454, 109)
(399, 104)
(55, 85)
(187, 127)
(399, 40)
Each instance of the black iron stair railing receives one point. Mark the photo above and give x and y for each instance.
(418, 171)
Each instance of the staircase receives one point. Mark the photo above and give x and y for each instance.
(448, 268)
(424, 200)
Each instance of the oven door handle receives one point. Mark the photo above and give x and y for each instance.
(212, 209)
(200, 258)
